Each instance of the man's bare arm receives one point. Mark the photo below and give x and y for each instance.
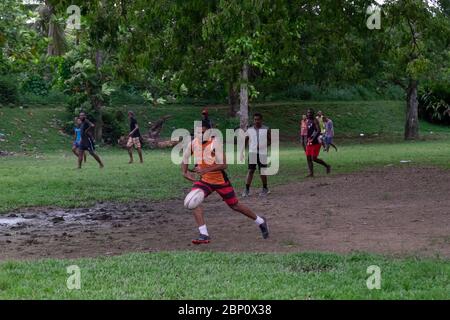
(134, 130)
(185, 163)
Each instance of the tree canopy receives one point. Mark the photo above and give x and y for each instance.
(227, 50)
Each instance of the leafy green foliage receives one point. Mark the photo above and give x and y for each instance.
(8, 90)
(19, 44)
(434, 104)
(36, 85)
(86, 88)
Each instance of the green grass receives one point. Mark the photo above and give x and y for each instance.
(228, 276)
(52, 179)
(33, 130)
(382, 118)
(44, 174)
(38, 129)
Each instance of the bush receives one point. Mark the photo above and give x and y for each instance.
(434, 104)
(126, 97)
(36, 85)
(54, 97)
(302, 92)
(347, 92)
(9, 92)
(113, 125)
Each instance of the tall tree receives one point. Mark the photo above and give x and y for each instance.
(249, 37)
(416, 42)
(52, 27)
(20, 45)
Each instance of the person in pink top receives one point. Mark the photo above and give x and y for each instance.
(303, 132)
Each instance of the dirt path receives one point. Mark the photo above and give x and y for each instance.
(391, 210)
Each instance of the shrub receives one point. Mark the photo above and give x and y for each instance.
(9, 92)
(54, 97)
(36, 85)
(126, 97)
(113, 125)
(434, 104)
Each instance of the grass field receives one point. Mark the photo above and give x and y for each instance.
(52, 179)
(44, 174)
(37, 129)
(228, 276)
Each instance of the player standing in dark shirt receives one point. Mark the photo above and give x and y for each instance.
(87, 142)
(134, 138)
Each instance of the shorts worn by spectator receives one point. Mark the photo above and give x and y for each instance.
(134, 142)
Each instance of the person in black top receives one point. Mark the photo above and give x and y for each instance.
(134, 138)
(87, 142)
(313, 144)
(205, 117)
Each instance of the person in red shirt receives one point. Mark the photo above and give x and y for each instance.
(313, 146)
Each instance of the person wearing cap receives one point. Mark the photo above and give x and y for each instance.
(205, 117)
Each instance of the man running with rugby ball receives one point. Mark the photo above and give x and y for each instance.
(211, 168)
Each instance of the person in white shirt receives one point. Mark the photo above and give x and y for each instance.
(258, 139)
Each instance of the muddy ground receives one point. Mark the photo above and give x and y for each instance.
(400, 211)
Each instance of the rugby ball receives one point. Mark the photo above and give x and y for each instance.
(194, 199)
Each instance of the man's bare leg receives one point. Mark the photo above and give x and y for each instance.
(244, 210)
(80, 158)
(265, 190)
(323, 163)
(249, 179)
(335, 148)
(75, 151)
(310, 166)
(141, 159)
(130, 153)
(248, 183)
(97, 158)
(260, 221)
(199, 216)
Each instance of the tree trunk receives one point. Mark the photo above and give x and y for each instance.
(57, 44)
(99, 127)
(98, 105)
(412, 112)
(233, 98)
(244, 98)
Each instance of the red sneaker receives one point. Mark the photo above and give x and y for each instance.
(202, 239)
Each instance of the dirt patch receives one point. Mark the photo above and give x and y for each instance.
(391, 211)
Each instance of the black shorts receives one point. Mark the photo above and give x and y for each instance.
(261, 161)
(87, 146)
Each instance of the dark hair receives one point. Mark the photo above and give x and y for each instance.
(257, 114)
